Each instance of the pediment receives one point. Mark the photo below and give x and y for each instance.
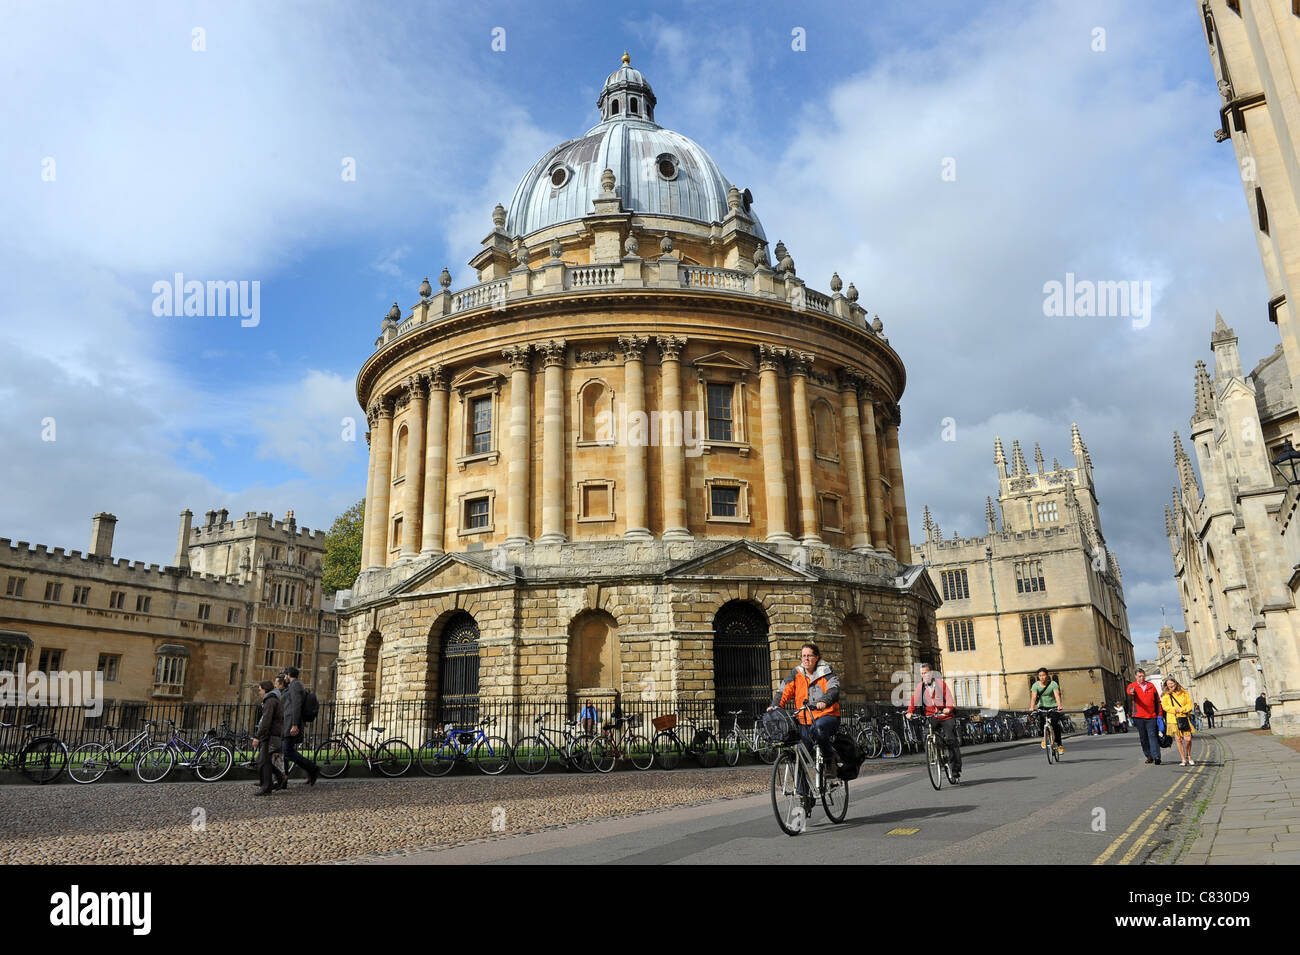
(740, 559)
(452, 572)
(474, 378)
(722, 359)
(1236, 388)
(916, 580)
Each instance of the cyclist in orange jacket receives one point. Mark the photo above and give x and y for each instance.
(941, 706)
(815, 683)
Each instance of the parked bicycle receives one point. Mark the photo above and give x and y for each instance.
(799, 779)
(532, 754)
(668, 747)
(41, 758)
(751, 740)
(617, 741)
(90, 761)
(209, 761)
(489, 754)
(246, 751)
(392, 756)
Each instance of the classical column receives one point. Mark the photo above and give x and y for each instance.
(800, 364)
(634, 445)
(520, 358)
(769, 362)
(434, 517)
(383, 455)
(902, 543)
(850, 380)
(672, 447)
(553, 352)
(367, 517)
(875, 487)
(412, 491)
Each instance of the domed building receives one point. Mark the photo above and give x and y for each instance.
(640, 455)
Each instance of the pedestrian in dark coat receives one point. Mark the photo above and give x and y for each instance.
(293, 725)
(1208, 708)
(268, 737)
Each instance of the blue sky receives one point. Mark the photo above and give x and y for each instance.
(224, 164)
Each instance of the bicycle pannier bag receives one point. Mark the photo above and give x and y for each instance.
(848, 757)
(779, 727)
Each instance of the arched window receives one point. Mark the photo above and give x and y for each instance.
(742, 660)
(458, 670)
(632, 107)
(596, 413)
(613, 107)
(399, 464)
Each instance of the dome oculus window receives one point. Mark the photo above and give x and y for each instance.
(667, 165)
(559, 176)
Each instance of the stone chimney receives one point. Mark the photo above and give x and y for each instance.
(101, 534)
(183, 540)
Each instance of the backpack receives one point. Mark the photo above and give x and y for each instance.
(779, 727)
(310, 707)
(848, 757)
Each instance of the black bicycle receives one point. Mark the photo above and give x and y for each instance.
(668, 747)
(40, 759)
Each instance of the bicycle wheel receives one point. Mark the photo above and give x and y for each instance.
(491, 755)
(932, 758)
(638, 751)
(578, 753)
(88, 762)
(706, 749)
(213, 763)
(155, 763)
(767, 751)
(332, 757)
(835, 799)
(731, 748)
(394, 756)
(667, 750)
(602, 753)
(43, 758)
(791, 813)
(868, 741)
(1049, 743)
(891, 747)
(437, 757)
(531, 755)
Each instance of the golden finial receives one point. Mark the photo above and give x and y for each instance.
(627, 60)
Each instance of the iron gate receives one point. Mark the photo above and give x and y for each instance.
(742, 661)
(458, 671)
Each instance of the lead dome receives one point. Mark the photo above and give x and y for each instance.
(658, 172)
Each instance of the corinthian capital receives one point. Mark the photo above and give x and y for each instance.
(850, 379)
(519, 356)
(771, 357)
(800, 362)
(437, 377)
(553, 351)
(633, 346)
(670, 347)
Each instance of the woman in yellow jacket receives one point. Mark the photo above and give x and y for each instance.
(1177, 704)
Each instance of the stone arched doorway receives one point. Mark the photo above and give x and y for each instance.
(458, 670)
(742, 660)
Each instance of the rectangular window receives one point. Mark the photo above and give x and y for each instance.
(961, 635)
(1036, 628)
(1261, 210)
(171, 673)
(275, 553)
(116, 599)
(15, 587)
(142, 604)
(11, 658)
(50, 661)
(297, 651)
(955, 584)
(205, 611)
(481, 425)
(476, 513)
(232, 615)
(269, 659)
(831, 512)
(108, 665)
(1029, 577)
(725, 501)
(719, 411)
(80, 595)
(53, 591)
(1046, 512)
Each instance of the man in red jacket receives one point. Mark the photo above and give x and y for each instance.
(1145, 700)
(940, 705)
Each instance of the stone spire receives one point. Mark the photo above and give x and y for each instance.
(928, 524)
(183, 540)
(999, 457)
(1080, 450)
(1018, 466)
(990, 516)
(1038, 457)
(1204, 394)
(1056, 464)
(1186, 476)
(1221, 330)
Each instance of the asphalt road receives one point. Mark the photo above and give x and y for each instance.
(1101, 804)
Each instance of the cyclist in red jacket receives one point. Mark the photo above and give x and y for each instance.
(941, 706)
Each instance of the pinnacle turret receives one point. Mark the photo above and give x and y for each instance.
(990, 515)
(1018, 466)
(999, 457)
(1204, 394)
(1038, 457)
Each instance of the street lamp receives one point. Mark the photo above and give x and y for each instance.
(1287, 464)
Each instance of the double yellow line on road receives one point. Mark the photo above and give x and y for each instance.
(1185, 782)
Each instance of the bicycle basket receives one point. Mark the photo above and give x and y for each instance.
(662, 723)
(779, 727)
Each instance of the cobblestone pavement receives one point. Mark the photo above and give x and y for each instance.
(332, 821)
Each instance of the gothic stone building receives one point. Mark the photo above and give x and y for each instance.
(1041, 591)
(640, 455)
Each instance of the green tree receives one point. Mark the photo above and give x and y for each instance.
(342, 561)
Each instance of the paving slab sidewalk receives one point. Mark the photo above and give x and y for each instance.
(1253, 816)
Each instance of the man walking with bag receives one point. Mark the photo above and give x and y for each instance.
(267, 738)
(294, 726)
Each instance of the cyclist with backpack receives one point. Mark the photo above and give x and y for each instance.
(815, 683)
(299, 708)
(940, 706)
